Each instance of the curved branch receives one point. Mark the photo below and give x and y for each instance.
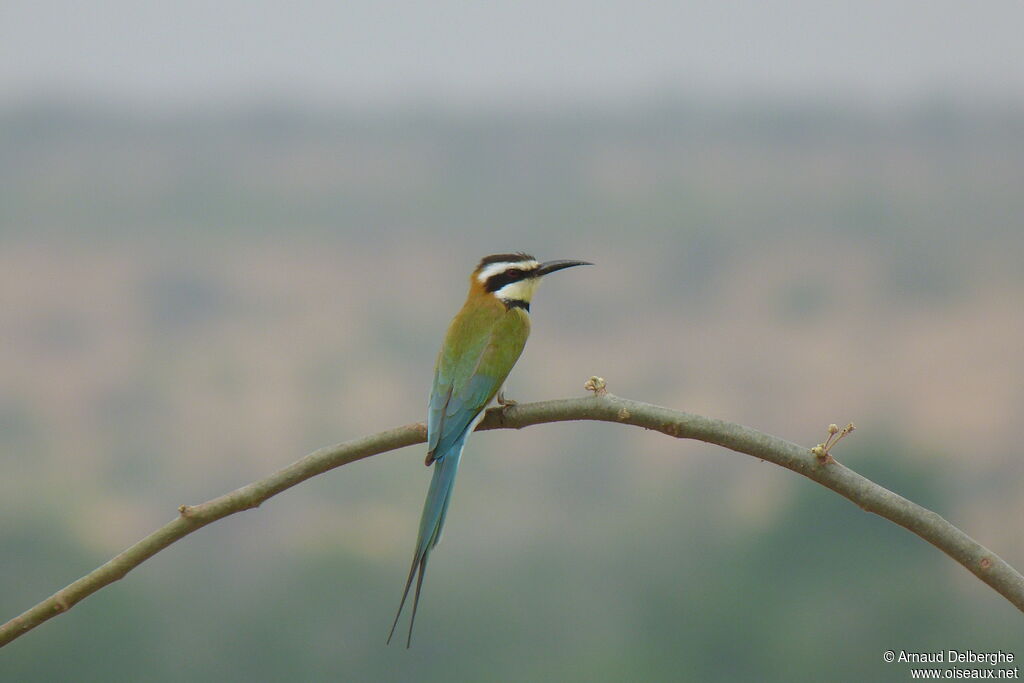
(604, 407)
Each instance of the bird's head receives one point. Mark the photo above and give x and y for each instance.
(512, 278)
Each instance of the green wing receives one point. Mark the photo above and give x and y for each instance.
(479, 351)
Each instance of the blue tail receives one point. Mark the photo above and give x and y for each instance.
(435, 509)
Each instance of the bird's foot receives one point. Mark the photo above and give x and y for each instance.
(504, 402)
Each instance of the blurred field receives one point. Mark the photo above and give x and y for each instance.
(189, 302)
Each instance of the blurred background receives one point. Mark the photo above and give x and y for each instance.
(232, 234)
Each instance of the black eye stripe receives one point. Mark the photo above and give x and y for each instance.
(499, 280)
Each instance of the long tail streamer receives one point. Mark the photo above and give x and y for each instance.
(435, 509)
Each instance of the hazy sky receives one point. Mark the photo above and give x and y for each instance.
(359, 50)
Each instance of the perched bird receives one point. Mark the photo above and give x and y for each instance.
(483, 342)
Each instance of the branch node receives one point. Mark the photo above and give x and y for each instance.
(985, 563)
(597, 385)
(185, 511)
(835, 435)
(60, 602)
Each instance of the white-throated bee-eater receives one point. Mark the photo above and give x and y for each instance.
(483, 342)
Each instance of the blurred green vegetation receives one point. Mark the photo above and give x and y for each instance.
(818, 593)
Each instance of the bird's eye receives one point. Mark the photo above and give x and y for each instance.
(513, 272)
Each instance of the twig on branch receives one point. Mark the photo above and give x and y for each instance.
(602, 406)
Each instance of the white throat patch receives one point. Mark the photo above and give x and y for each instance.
(518, 291)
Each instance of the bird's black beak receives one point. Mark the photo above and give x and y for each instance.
(552, 266)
